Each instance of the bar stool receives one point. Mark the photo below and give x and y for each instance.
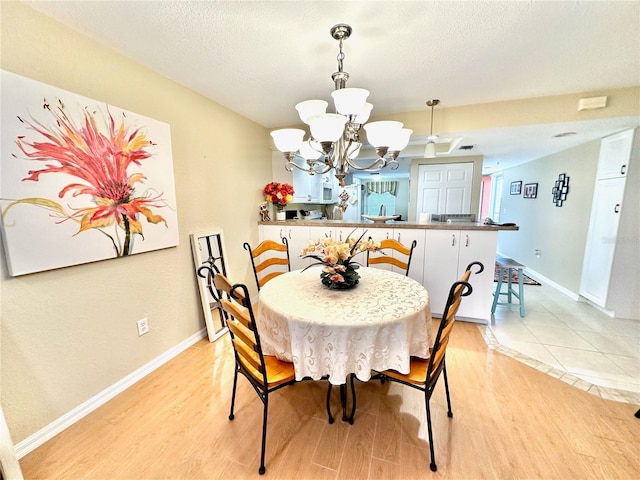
(509, 265)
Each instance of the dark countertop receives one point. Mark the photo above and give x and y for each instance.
(392, 224)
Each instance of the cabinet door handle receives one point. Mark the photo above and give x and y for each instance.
(623, 169)
(453, 240)
(398, 236)
(387, 235)
(281, 235)
(616, 209)
(289, 234)
(340, 238)
(466, 244)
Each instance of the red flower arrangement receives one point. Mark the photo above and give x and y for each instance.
(278, 193)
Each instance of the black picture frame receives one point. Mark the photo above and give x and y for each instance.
(530, 190)
(516, 188)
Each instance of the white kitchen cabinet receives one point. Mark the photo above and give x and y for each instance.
(307, 188)
(601, 245)
(405, 236)
(447, 254)
(615, 151)
(297, 238)
(609, 271)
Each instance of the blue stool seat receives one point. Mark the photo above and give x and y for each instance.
(509, 265)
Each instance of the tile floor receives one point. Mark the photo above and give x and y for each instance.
(572, 341)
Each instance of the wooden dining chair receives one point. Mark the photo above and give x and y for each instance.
(424, 374)
(392, 252)
(265, 373)
(268, 260)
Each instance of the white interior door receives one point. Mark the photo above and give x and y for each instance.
(445, 188)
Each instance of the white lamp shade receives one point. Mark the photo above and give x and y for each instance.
(381, 134)
(308, 152)
(328, 127)
(400, 140)
(309, 108)
(350, 101)
(430, 150)
(363, 116)
(288, 139)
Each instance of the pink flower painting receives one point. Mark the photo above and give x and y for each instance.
(98, 171)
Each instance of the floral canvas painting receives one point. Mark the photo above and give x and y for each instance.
(80, 180)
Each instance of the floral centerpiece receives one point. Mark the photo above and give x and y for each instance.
(280, 194)
(339, 270)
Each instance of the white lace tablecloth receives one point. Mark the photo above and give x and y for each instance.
(377, 325)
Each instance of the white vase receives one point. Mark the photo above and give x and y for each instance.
(281, 216)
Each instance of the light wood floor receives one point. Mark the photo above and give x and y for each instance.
(510, 421)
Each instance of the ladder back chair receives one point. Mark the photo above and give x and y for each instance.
(267, 255)
(265, 373)
(389, 248)
(424, 374)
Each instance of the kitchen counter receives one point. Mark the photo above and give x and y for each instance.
(392, 224)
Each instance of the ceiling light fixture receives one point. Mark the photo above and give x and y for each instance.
(334, 142)
(430, 149)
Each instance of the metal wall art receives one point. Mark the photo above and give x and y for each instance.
(560, 189)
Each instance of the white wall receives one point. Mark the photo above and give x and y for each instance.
(560, 233)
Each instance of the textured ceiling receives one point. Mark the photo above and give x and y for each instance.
(261, 58)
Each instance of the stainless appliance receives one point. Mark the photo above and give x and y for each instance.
(454, 217)
(311, 214)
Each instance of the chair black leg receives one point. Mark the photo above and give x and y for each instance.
(343, 400)
(233, 394)
(329, 403)
(446, 389)
(262, 468)
(433, 465)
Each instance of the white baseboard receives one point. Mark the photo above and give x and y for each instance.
(542, 279)
(41, 436)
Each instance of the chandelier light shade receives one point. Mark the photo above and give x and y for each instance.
(310, 151)
(328, 127)
(430, 149)
(288, 139)
(334, 141)
(350, 101)
(309, 108)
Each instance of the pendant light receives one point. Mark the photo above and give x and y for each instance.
(430, 149)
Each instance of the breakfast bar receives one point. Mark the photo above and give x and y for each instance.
(443, 251)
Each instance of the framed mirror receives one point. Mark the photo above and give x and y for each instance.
(208, 259)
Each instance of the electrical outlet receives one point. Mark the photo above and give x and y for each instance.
(143, 326)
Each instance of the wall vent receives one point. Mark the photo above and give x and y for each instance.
(466, 147)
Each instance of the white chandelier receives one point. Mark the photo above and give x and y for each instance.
(334, 142)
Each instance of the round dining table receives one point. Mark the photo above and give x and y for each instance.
(377, 325)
